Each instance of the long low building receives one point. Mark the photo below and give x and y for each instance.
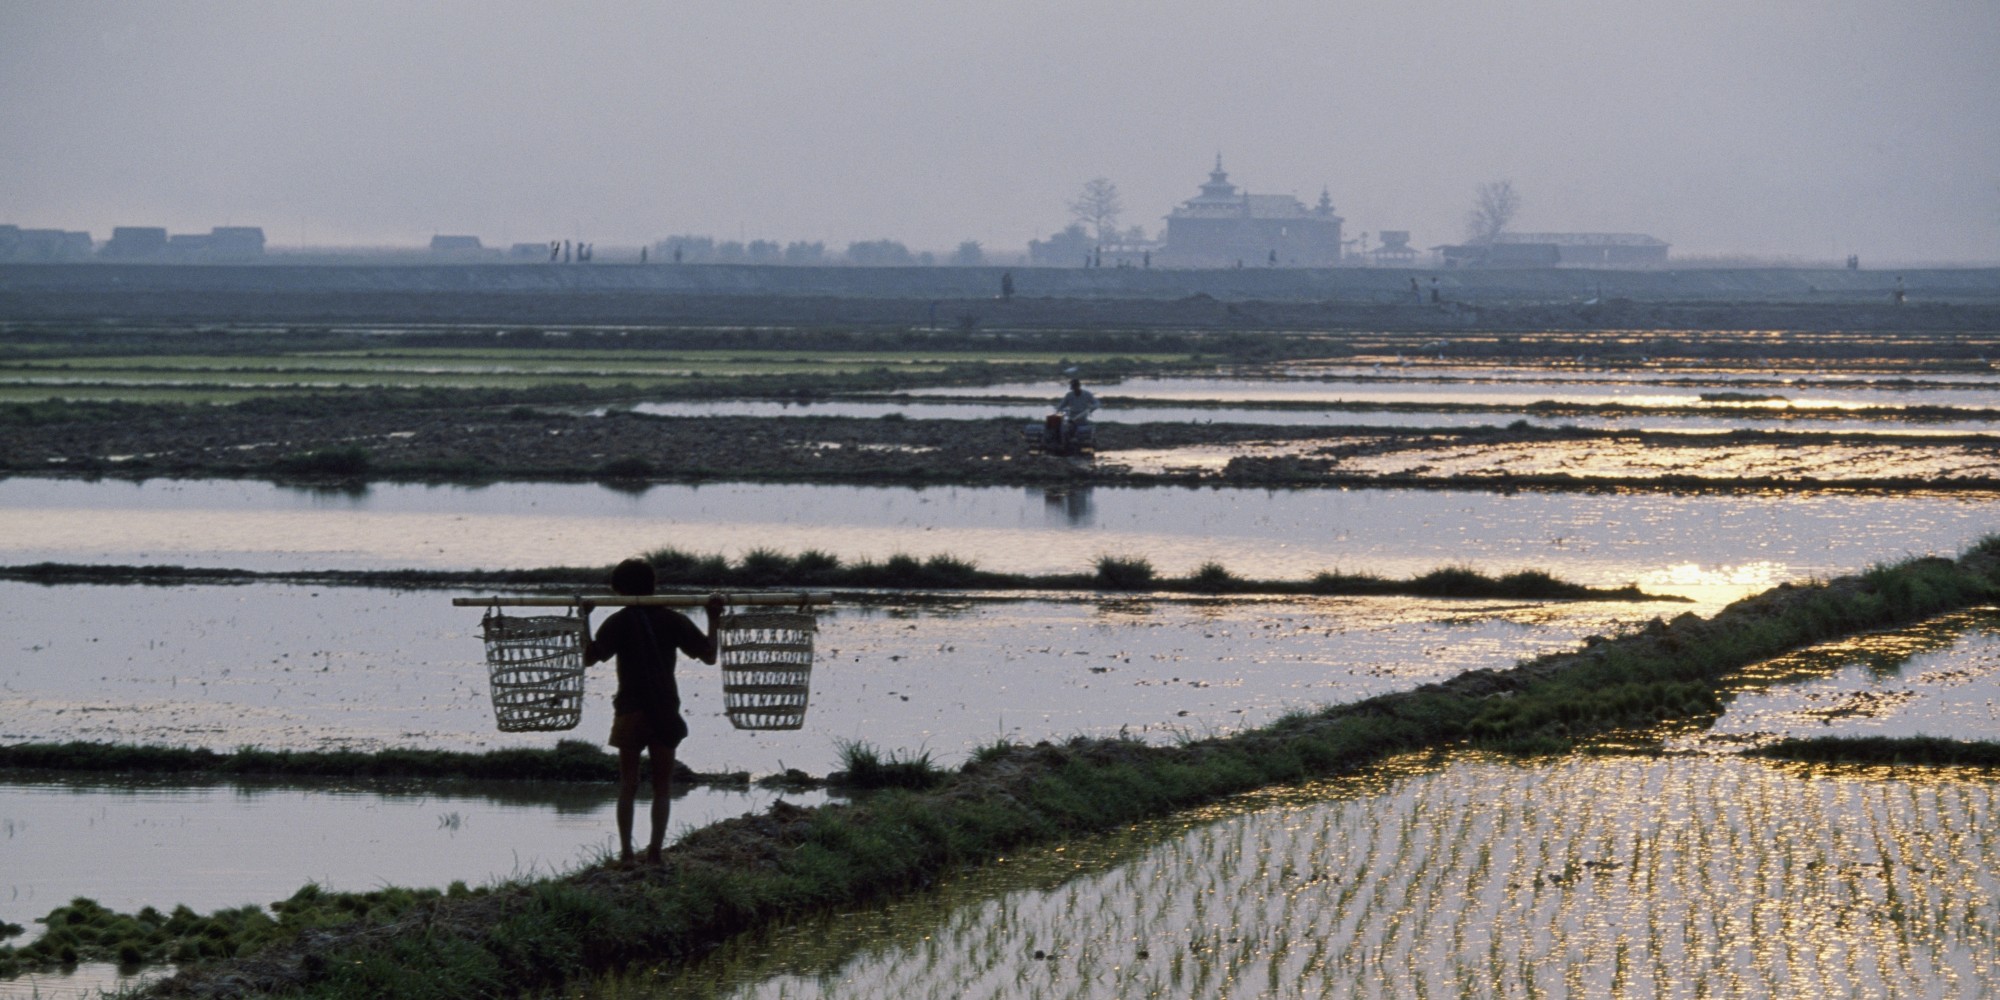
(1558, 250)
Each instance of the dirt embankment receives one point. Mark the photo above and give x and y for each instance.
(359, 444)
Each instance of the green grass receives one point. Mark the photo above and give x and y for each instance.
(677, 569)
(862, 766)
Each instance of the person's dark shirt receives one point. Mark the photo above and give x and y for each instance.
(644, 640)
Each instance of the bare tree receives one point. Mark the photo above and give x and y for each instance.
(1097, 208)
(1493, 207)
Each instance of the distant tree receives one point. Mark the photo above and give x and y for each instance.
(802, 253)
(1064, 249)
(1493, 208)
(968, 254)
(1135, 235)
(730, 252)
(764, 252)
(879, 253)
(1097, 209)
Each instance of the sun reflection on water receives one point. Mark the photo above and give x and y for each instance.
(1479, 877)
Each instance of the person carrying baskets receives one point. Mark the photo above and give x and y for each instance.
(647, 707)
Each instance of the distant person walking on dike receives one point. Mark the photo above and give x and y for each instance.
(647, 708)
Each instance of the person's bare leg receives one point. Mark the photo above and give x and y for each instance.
(663, 786)
(628, 793)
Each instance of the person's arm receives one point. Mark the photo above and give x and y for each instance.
(593, 651)
(708, 647)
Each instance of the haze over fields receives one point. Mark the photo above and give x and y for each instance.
(1800, 129)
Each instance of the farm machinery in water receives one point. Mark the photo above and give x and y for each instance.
(1062, 436)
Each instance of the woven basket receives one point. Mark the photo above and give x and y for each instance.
(535, 665)
(766, 667)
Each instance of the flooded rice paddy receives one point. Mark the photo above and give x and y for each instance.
(159, 843)
(1713, 548)
(295, 667)
(1940, 678)
(1460, 876)
(1445, 385)
(1693, 874)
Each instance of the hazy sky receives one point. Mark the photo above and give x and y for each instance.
(1813, 129)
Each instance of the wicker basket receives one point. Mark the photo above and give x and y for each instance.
(535, 664)
(766, 667)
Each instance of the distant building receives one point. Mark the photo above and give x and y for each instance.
(1559, 250)
(454, 244)
(135, 243)
(19, 245)
(1222, 227)
(1395, 249)
(1072, 247)
(151, 243)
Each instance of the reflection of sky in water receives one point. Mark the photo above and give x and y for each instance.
(226, 845)
(1730, 419)
(319, 667)
(1578, 877)
(1983, 393)
(1940, 678)
(1594, 538)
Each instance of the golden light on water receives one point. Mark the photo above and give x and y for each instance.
(1582, 877)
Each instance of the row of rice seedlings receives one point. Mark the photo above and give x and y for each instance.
(1489, 879)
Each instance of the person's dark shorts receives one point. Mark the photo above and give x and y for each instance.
(636, 731)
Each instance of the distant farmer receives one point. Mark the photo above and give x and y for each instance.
(1006, 284)
(646, 711)
(1076, 407)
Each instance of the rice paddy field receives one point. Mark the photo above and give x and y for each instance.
(1661, 864)
(1454, 876)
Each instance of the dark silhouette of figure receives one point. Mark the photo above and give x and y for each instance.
(565, 251)
(647, 707)
(642, 255)
(1006, 284)
(555, 251)
(1273, 262)
(1416, 295)
(1435, 296)
(1076, 407)
(1147, 258)
(677, 255)
(1899, 293)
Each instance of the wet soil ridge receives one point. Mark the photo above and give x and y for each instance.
(771, 570)
(1891, 750)
(520, 938)
(354, 442)
(568, 760)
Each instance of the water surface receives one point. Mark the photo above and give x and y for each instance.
(1568, 877)
(1714, 548)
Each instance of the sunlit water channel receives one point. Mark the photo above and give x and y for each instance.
(1455, 386)
(1710, 547)
(1464, 877)
(1723, 419)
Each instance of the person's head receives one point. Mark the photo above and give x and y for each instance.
(1075, 384)
(633, 578)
